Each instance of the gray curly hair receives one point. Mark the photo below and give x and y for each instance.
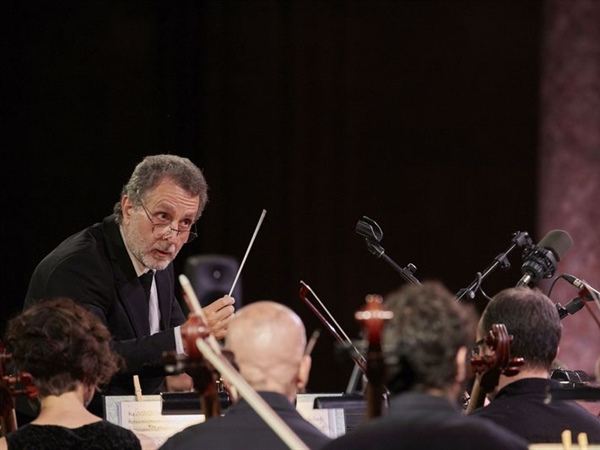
(153, 169)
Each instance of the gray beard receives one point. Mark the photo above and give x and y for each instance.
(137, 244)
(150, 263)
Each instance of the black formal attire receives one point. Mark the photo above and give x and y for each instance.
(95, 436)
(94, 268)
(242, 428)
(521, 407)
(418, 421)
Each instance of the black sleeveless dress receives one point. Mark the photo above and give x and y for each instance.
(95, 436)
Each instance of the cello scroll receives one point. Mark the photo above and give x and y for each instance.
(489, 366)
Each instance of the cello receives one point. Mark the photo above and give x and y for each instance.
(9, 390)
(488, 367)
(372, 316)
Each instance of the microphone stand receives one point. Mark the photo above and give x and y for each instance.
(520, 239)
(407, 272)
(373, 234)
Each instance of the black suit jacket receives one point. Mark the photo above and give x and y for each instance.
(93, 268)
(523, 407)
(418, 421)
(242, 428)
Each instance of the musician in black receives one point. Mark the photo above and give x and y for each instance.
(427, 340)
(268, 343)
(520, 402)
(66, 350)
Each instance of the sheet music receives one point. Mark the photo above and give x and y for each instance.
(145, 417)
(329, 421)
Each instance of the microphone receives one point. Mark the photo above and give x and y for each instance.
(540, 261)
(570, 308)
(580, 284)
(578, 302)
(369, 229)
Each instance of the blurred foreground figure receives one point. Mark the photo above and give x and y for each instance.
(426, 349)
(66, 350)
(268, 341)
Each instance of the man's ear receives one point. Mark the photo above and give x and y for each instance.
(461, 364)
(303, 372)
(126, 208)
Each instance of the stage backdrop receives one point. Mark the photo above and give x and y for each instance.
(569, 161)
(422, 115)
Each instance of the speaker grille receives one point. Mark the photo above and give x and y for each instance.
(212, 276)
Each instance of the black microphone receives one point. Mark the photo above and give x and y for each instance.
(369, 229)
(540, 261)
(570, 308)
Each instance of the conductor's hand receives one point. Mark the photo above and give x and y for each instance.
(218, 315)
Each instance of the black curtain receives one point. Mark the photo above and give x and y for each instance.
(422, 115)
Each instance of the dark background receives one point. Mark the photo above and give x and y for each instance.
(422, 115)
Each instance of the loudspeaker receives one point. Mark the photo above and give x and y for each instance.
(212, 276)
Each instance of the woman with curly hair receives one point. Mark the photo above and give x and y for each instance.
(67, 351)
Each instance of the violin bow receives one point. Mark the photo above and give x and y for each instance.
(338, 333)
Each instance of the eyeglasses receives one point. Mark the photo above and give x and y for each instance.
(162, 228)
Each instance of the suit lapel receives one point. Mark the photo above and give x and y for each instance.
(131, 293)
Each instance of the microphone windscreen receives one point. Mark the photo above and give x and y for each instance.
(558, 241)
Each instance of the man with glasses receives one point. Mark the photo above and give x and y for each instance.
(121, 269)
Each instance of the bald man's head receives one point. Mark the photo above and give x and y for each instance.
(268, 341)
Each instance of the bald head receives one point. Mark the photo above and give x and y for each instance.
(268, 342)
